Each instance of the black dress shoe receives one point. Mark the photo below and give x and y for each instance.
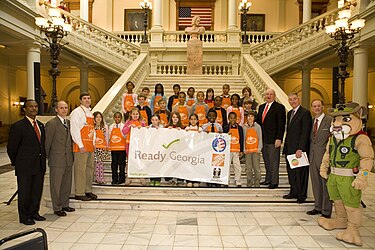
(38, 218)
(313, 212)
(27, 222)
(289, 196)
(92, 196)
(68, 209)
(326, 216)
(60, 213)
(273, 186)
(82, 198)
(265, 183)
(300, 200)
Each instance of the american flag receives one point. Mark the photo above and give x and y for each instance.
(186, 14)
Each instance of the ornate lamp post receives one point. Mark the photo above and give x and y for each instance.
(55, 29)
(146, 6)
(343, 32)
(244, 7)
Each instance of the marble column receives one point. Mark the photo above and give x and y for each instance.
(232, 14)
(84, 78)
(306, 86)
(360, 76)
(156, 31)
(33, 55)
(233, 32)
(306, 10)
(84, 9)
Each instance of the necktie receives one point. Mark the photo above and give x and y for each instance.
(315, 130)
(65, 125)
(264, 112)
(36, 129)
(212, 127)
(292, 115)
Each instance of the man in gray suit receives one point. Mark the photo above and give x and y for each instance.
(60, 159)
(319, 136)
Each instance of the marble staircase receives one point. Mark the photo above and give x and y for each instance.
(203, 198)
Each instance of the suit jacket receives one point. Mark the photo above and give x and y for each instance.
(59, 147)
(26, 153)
(274, 123)
(298, 131)
(318, 143)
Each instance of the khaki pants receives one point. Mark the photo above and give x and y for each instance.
(235, 158)
(83, 172)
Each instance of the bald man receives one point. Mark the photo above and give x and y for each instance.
(271, 117)
(59, 151)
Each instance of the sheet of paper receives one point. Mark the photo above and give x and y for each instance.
(295, 162)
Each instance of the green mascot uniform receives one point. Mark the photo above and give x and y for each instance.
(346, 164)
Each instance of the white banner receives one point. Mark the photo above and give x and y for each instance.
(176, 153)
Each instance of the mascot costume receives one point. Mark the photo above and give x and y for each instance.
(346, 164)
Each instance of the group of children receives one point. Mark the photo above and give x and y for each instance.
(201, 113)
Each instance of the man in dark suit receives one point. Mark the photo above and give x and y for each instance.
(59, 151)
(271, 117)
(318, 141)
(296, 142)
(27, 153)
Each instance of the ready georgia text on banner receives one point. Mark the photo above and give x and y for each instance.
(176, 153)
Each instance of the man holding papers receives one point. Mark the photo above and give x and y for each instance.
(296, 142)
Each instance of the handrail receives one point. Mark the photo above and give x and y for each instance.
(107, 34)
(254, 73)
(316, 24)
(111, 101)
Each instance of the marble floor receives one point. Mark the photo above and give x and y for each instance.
(140, 229)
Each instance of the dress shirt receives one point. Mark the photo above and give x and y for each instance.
(77, 122)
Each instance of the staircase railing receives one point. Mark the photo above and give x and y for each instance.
(100, 45)
(111, 101)
(257, 77)
(305, 40)
(209, 37)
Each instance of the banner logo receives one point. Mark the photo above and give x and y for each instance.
(219, 144)
(218, 160)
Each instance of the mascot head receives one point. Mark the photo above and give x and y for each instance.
(346, 119)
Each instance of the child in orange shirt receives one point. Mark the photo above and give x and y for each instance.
(221, 114)
(183, 109)
(117, 146)
(210, 97)
(235, 98)
(226, 97)
(144, 109)
(190, 99)
(146, 92)
(135, 120)
(236, 145)
(129, 99)
(101, 145)
(200, 108)
(252, 133)
(194, 127)
(163, 113)
(158, 95)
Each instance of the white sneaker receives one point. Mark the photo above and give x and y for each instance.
(196, 185)
(238, 184)
(189, 185)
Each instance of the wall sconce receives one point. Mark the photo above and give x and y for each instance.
(18, 104)
(370, 106)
